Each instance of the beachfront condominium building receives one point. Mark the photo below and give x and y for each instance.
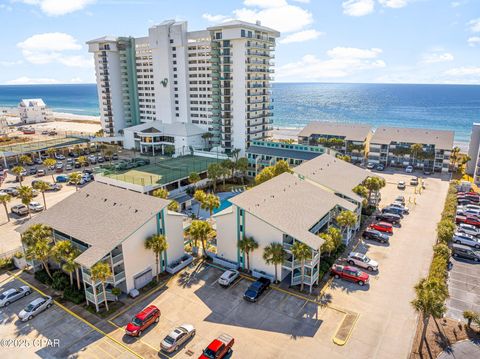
(349, 139)
(34, 110)
(218, 79)
(110, 224)
(473, 166)
(394, 146)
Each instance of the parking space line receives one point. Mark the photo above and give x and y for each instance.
(103, 350)
(459, 281)
(236, 283)
(79, 318)
(139, 339)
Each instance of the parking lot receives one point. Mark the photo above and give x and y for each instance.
(387, 322)
(275, 323)
(54, 333)
(463, 287)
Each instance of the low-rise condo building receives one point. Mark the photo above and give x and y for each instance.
(349, 139)
(473, 166)
(284, 209)
(394, 146)
(34, 110)
(110, 224)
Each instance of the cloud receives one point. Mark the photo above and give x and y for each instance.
(437, 57)
(473, 41)
(341, 62)
(24, 80)
(358, 7)
(51, 47)
(464, 71)
(277, 14)
(474, 25)
(10, 63)
(58, 7)
(394, 4)
(301, 36)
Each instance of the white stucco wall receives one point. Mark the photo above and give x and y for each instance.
(174, 234)
(227, 233)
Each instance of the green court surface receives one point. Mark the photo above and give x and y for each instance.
(27, 147)
(163, 171)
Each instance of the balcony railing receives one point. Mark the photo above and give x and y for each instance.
(118, 258)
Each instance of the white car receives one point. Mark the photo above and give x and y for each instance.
(68, 167)
(361, 260)
(401, 185)
(228, 277)
(11, 295)
(370, 165)
(177, 337)
(35, 206)
(35, 307)
(409, 169)
(468, 229)
(59, 157)
(470, 206)
(466, 239)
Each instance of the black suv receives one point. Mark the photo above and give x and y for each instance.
(375, 235)
(461, 251)
(393, 210)
(389, 217)
(256, 289)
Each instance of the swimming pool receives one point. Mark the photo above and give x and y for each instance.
(224, 200)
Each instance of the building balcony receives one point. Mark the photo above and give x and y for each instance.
(117, 259)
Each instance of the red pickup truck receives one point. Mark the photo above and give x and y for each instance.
(219, 348)
(349, 273)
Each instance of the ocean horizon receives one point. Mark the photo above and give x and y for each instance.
(443, 107)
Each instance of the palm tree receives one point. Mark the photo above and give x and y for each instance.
(329, 245)
(247, 245)
(336, 235)
(42, 187)
(64, 253)
(83, 161)
(429, 301)
(51, 151)
(157, 243)
(301, 252)
(40, 251)
(200, 231)
(193, 178)
(17, 171)
(454, 156)
(415, 150)
(225, 169)
(4, 199)
(24, 160)
(75, 178)
(173, 206)
(50, 162)
(274, 254)
(69, 265)
(242, 166)
(26, 195)
(34, 233)
(101, 272)
(199, 196)
(160, 193)
(346, 220)
(211, 202)
(214, 172)
(206, 137)
(372, 184)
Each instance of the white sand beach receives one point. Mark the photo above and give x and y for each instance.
(63, 116)
(285, 133)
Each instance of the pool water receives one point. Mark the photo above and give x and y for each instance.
(223, 204)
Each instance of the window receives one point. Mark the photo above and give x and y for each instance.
(242, 33)
(173, 48)
(218, 35)
(171, 41)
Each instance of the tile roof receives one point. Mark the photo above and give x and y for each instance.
(101, 216)
(333, 173)
(440, 138)
(351, 131)
(292, 205)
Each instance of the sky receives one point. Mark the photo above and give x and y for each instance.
(366, 41)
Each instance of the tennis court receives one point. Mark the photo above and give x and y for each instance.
(164, 171)
(28, 147)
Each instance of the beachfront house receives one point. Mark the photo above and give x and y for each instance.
(394, 146)
(349, 139)
(110, 224)
(284, 209)
(34, 110)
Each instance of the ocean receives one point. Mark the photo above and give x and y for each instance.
(445, 107)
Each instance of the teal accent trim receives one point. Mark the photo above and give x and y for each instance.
(129, 43)
(238, 235)
(158, 223)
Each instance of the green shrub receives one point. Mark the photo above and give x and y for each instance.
(73, 295)
(442, 250)
(18, 255)
(6, 263)
(445, 231)
(60, 281)
(324, 266)
(43, 277)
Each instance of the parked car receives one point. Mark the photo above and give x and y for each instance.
(427, 172)
(38, 161)
(55, 187)
(12, 191)
(389, 217)
(35, 307)
(393, 210)
(461, 251)
(362, 261)
(256, 289)
(20, 209)
(68, 167)
(414, 181)
(114, 157)
(36, 207)
(398, 205)
(473, 220)
(350, 273)
(464, 201)
(382, 227)
(468, 229)
(77, 164)
(409, 169)
(41, 173)
(400, 199)
(14, 294)
(32, 170)
(177, 337)
(375, 235)
(471, 206)
(62, 178)
(219, 348)
(380, 167)
(88, 171)
(100, 159)
(228, 277)
(142, 321)
(401, 185)
(59, 156)
(466, 239)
